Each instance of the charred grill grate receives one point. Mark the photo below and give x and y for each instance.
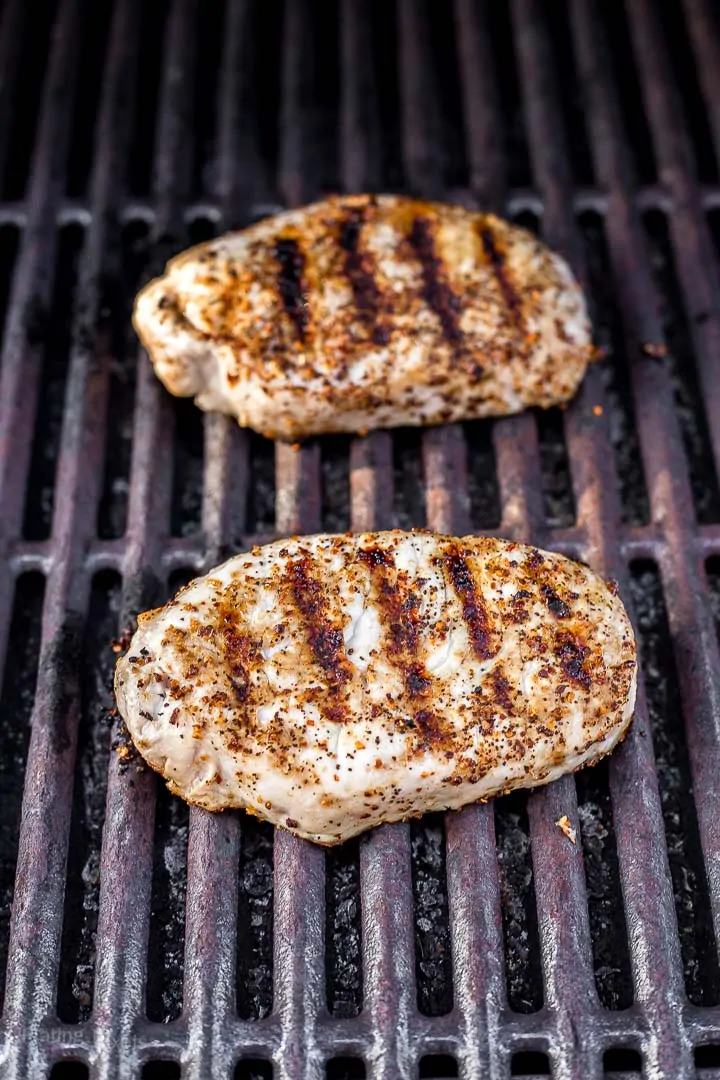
(483, 944)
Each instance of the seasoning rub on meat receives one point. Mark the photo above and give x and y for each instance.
(364, 312)
(331, 683)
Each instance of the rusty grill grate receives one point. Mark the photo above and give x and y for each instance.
(484, 944)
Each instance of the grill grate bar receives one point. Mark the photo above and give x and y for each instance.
(127, 851)
(390, 1032)
(663, 453)
(690, 235)
(597, 507)
(37, 906)
(706, 45)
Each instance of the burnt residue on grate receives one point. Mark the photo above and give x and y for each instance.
(116, 306)
(343, 942)
(82, 889)
(519, 913)
(690, 887)
(614, 370)
(16, 703)
(681, 363)
(433, 960)
(335, 476)
(483, 488)
(53, 333)
(254, 978)
(608, 930)
(409, 490)
(166, 945)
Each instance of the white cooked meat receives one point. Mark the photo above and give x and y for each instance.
(332, 683)
(364, 312)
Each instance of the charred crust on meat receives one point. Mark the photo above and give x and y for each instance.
(359, 269)
(573, 659)
(290, 285)
(496, 261)
(474, 612)
(555, 605)
(501, 688)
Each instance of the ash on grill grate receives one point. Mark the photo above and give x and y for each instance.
(16, 703)
(608, 930)
(255, 920)
(433, 962)
(82, 889)
(692, 905)
(519, 912)
(343, 930)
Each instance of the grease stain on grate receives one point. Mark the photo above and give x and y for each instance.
(82, 887)
(519, 912)
(343, 982)
(16, 703)
(690, 887)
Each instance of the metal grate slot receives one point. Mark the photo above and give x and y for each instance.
(433, 961)
(343, 930)
(608, 930)
(483, 491)
(255, 921)
(519, 912)
(607, 324)
(335, 466)
(16, 703)
(82, 882)
(113, 506)
(689, 403)
(51, 329)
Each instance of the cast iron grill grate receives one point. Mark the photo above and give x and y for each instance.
(149, 940)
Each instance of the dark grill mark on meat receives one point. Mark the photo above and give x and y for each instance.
(496, 262)
(556, 606)
(400, 611)
(473, 610)
(359, 272)
(431, 731)
(290, 282)
(501, 689)
(573, 657)
(325, 638)
(437, 293)
(240, 654)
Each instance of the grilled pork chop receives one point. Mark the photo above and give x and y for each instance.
(363, 312)
(332, 683)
